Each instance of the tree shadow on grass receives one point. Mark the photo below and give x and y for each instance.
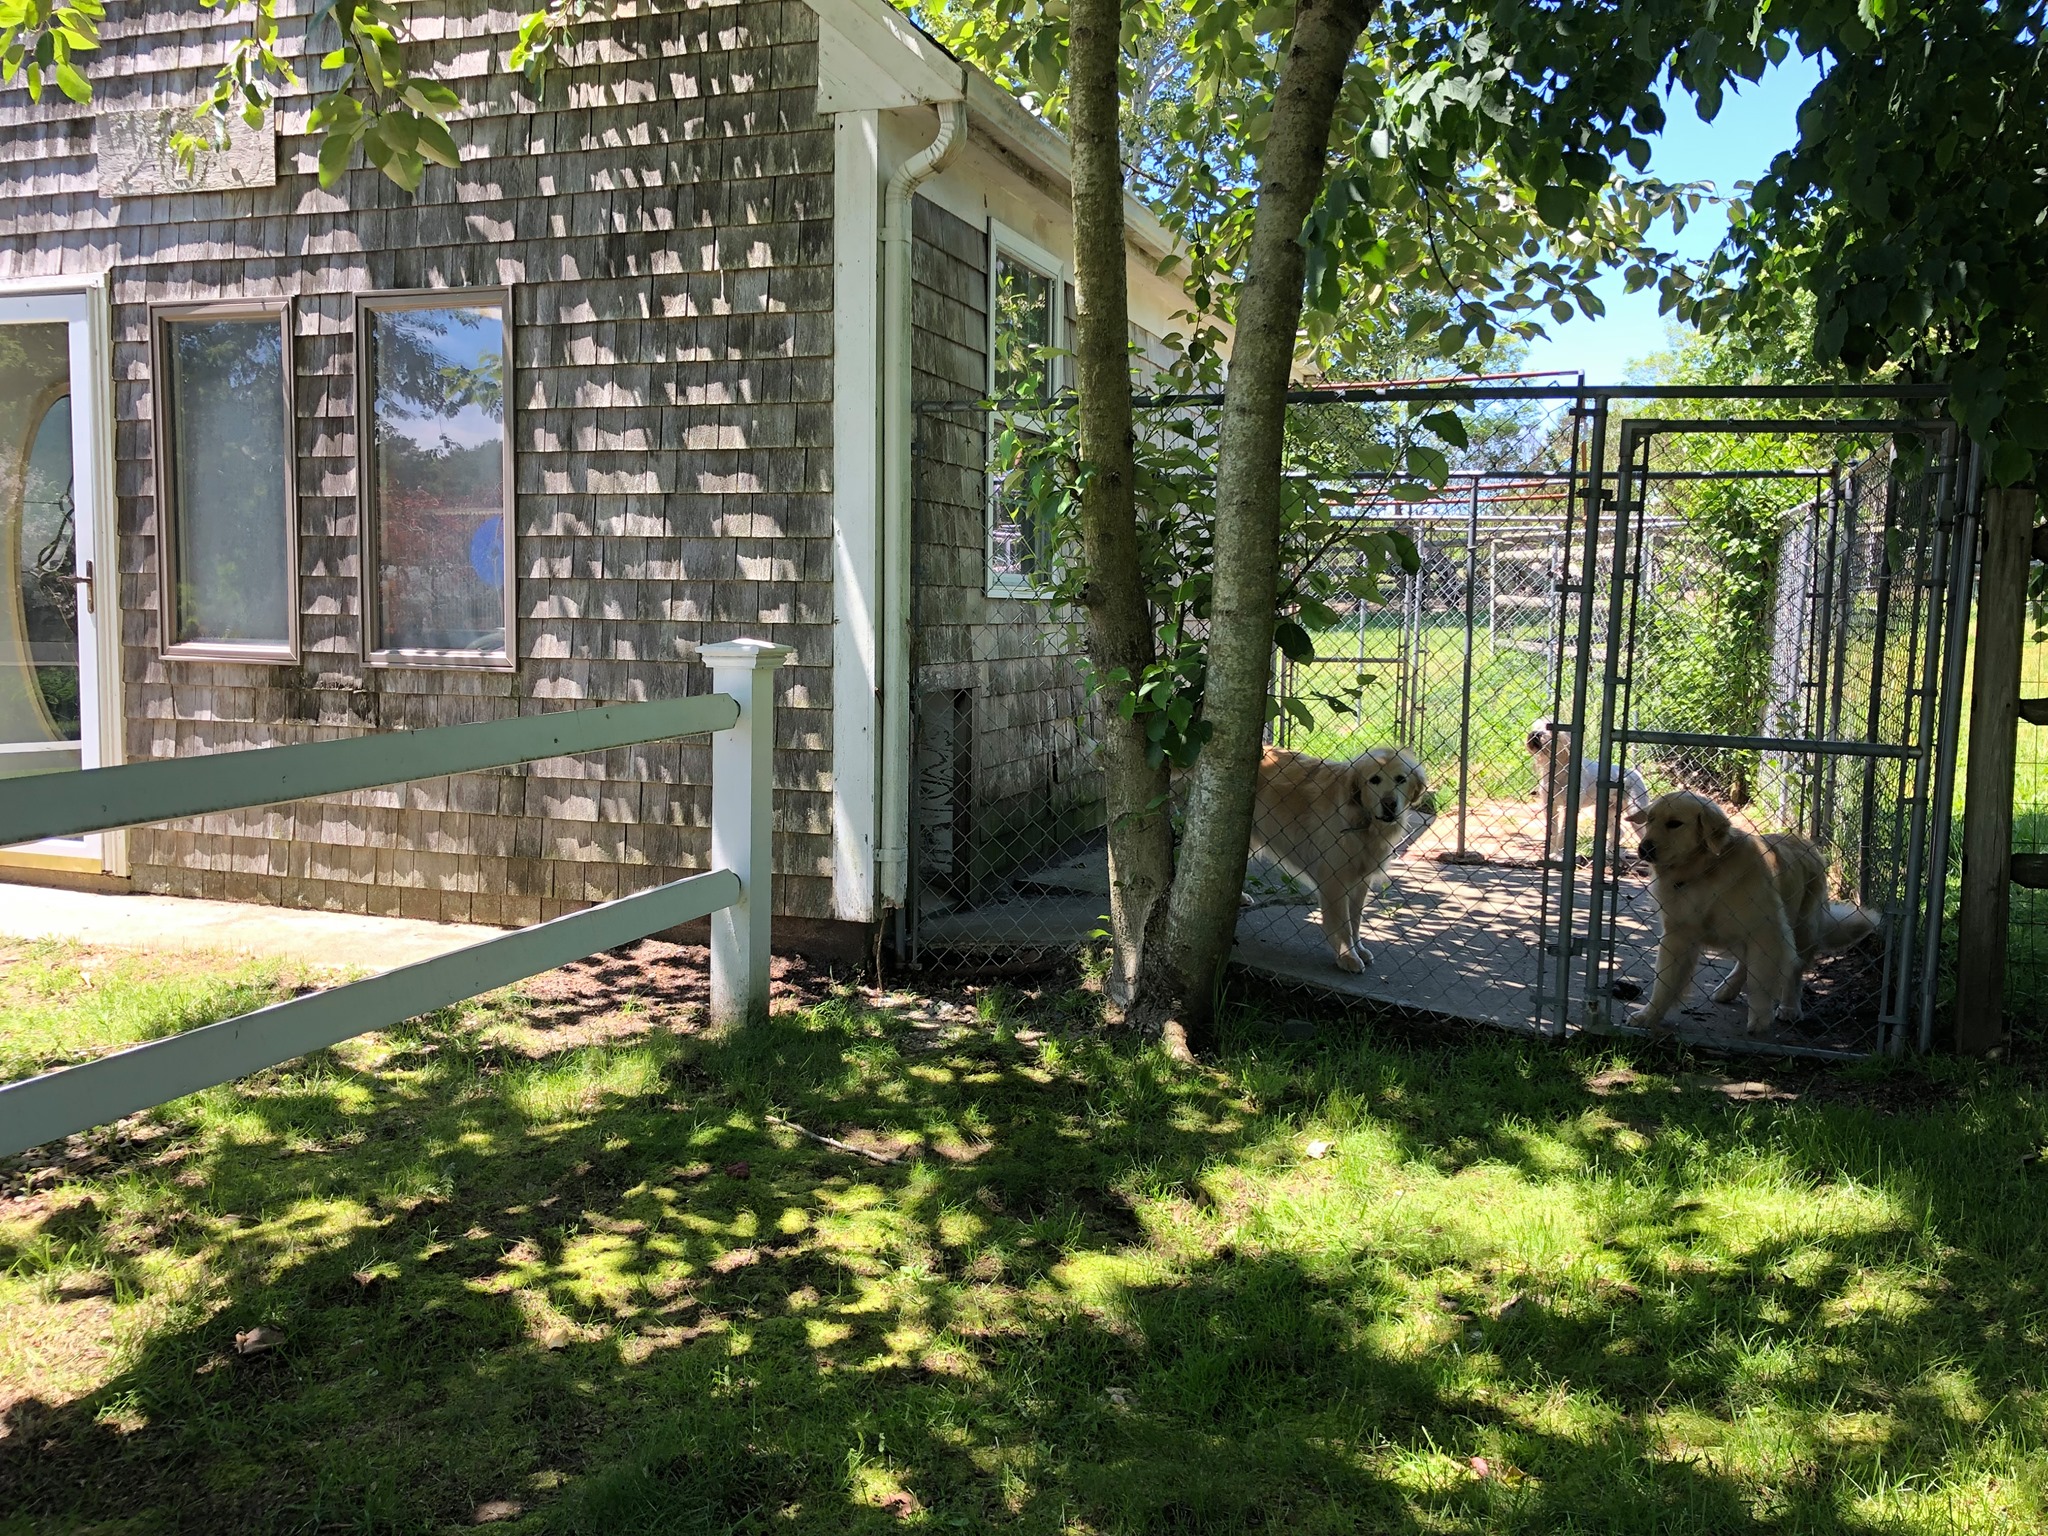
(605, 1287)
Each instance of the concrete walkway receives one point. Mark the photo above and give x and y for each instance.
(333, 939)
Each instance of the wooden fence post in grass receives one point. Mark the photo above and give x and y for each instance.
(742, 826)
(1986, 910)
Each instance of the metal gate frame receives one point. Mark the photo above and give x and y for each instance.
(1908, 993)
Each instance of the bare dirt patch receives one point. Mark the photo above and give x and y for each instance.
(628, 992)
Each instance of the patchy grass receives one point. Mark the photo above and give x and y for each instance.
(607, 1288)
(65, 1003)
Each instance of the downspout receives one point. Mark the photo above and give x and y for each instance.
(892, 855)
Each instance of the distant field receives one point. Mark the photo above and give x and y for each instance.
(1511, 687)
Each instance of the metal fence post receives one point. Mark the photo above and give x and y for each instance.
(742, 808)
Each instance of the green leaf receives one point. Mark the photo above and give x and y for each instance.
(338, 110)
(1428, 464)
(1447, 426)
(1558, 206)
(1294, 641)
(1405, 554)
(437, 144)
(335, 148)
(72, 83)
(2027, 423)
(430, 96)
(2010, 463)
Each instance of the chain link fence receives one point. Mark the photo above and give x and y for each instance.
(1603, 610)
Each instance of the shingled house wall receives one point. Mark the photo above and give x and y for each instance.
(1004, 774)
(665, 219)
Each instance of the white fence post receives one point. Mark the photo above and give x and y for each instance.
(742, 809)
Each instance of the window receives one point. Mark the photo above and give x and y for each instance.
(227, 546)
(435, 465)
(1027, 324)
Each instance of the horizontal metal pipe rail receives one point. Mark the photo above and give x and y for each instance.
(1369, 394)
(733, 892)
(1791, 746)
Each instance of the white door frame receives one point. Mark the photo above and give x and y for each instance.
(83, 303)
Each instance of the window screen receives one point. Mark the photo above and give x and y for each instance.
(1022, 330)
(436, 479)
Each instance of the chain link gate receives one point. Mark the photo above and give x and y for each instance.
(1851, 740)
(1581, 579)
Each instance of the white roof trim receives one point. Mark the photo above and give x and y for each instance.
(872, 57)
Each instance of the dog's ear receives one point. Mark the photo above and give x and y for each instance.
(1356, 811)
(1715, 828)
(1418, 781)
(1638, 818)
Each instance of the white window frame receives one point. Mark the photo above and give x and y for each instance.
(1006, 242)
(83, 303)
(385, 300)
(163, 407)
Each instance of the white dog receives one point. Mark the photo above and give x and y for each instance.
(1556, 762)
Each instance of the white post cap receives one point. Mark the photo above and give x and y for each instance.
(761, 655)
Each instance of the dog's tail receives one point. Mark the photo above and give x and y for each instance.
(1847, 925)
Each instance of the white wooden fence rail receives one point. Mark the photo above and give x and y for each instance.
(734, 892)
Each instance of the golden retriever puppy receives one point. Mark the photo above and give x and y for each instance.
(1763, 900)
(1337, 826)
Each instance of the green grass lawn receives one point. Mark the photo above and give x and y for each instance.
(569, 1266)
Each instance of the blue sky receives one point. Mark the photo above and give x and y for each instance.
(1737, 146)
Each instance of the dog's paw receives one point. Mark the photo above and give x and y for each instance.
(1353, 961)
(1644, 1018)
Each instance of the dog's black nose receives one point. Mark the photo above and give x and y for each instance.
(1646, 851)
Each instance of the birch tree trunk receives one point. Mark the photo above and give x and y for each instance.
(1183, 974)
(1119, 625)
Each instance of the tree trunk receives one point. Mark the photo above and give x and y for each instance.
(1203, 910)
(1119, 623)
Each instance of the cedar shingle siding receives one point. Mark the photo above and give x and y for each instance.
(1004, 776)
(665, 217)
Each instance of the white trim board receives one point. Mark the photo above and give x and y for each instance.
(856, 509)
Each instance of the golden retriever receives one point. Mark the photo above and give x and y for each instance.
(1763, 900)
(1337, 826)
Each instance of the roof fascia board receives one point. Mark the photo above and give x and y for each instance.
(996, 114)
(872, 58)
